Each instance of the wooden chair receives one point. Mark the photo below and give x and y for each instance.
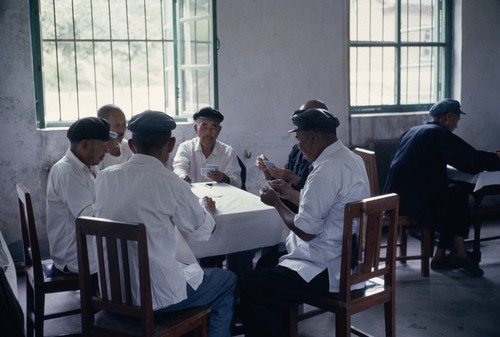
(112, 313)
(379, 276)
(407, 225)
(41, 277)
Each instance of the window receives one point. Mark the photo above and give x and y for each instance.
(399, 54)
(148, 54)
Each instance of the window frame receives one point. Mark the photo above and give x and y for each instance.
(37, 56)
(445, 91)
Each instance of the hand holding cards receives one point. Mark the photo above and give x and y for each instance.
(269, 164)
(209, 168)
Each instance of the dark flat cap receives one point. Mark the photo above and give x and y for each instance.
(319, 120)
(209, 113)
(151, 122)
(90, 128)
(444, 106)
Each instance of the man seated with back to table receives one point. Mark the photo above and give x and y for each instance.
(418, 174)
(311, 266)
(143, 190)
(71, 187)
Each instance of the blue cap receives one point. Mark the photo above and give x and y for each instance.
(90, 128)
(319, 120)
(209, 113)
(151, 122)
(444, 106)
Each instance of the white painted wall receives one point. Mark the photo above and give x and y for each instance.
(273, 56)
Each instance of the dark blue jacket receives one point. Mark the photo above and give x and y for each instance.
(418, 171)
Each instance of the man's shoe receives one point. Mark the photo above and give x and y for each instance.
(466, 264)
(442, 264)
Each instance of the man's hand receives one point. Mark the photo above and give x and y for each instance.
(269, 197)
(218, 176)
(209, 205)
(259, 162)
(188, 179)
(286, 175)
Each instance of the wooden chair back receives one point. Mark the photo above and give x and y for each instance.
(119, 315)
(373, 265)
(41, 278)
(370, 160)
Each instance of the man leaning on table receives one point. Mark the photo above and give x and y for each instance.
(143, 190)
(70, 187)
(418, 174)
(312, 265)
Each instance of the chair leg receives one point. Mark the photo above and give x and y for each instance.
(30, 309)
(390, 319)
(39, 313)
(292, 322)
(403, 243)
(426, 248)
(342, 323)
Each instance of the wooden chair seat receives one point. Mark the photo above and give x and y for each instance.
(41, 278)
(113, 312)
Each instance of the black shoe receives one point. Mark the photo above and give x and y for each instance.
(466, 264)
(442, 264)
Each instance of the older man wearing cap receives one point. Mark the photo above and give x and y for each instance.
(144, 190)
(312, 264)
(418, 175)
(194, 157)
(70, 187)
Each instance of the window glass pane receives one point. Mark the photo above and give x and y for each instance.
(372, 75)
(196, 45)
(86, 84)
(100, 18)
(197, 88)
(190, 8)
(136, 20)
(373, 20)
(418, 21)
(119, 19)
(63, 20)
(83, 23)
(420, 74)
(47, 24)
(154, 23)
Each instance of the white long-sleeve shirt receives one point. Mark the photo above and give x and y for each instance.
(189, 160)
(70, 193)
(143, 190)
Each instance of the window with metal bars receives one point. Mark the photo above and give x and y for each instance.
(400, 54)
(138, 54)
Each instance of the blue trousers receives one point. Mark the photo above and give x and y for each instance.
(218, 291)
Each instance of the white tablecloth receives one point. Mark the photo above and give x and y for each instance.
(479, 180)
(243, 222)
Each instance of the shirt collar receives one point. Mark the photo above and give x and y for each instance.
(197, 147)
(327, 152)
(71, 156)
(145, 159)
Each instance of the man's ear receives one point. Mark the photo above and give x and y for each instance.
(132, 146)
(171, 144)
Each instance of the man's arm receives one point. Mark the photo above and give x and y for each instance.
(271, 198)
(181, 163)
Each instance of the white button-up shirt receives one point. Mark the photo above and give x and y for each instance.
(109, 159)
(143, 190)
(189, 160)
(70, 193)
(338, 177)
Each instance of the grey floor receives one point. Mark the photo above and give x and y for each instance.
(445, 304)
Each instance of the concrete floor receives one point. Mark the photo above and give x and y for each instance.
(445, 304)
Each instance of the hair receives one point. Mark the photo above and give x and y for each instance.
(106, 110)
(150, 143)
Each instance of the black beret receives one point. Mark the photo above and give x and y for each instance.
(319, 120)
(444, 106)
(209, 113)
(90, 128)
(151, 122)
